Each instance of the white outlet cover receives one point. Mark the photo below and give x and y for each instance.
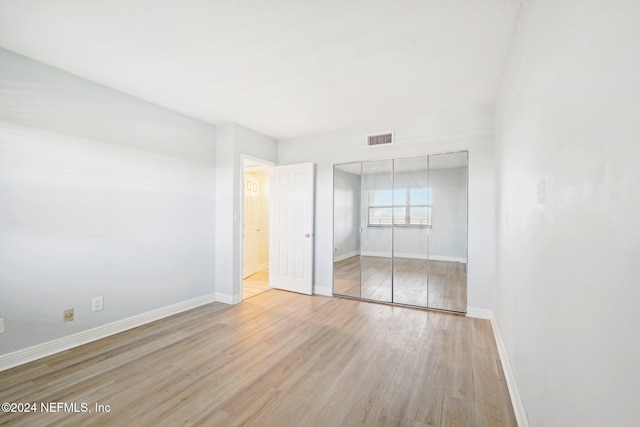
(97, 303)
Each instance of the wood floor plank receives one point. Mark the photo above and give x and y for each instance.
(278, 358)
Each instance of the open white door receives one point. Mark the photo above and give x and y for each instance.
(251, 227)
(291, 255)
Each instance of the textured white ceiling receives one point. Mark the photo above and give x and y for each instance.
(285, 68)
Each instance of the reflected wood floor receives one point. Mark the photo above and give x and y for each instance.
(277, 359)
(255, 284)
(447, 285)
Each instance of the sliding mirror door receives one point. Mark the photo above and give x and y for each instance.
(376, 218)
(448, 239)
(400, 231)
(412, 220)
(346, 229)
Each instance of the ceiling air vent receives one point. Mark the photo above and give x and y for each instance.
(380, 139)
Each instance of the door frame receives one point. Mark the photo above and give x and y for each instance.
(240, 225)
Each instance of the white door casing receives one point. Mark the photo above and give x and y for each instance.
(251, 230)
(292, 210)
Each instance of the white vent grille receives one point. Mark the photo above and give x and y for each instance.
(380, 139)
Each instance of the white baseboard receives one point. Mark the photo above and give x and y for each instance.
(263, 266)
(228, 299)
(20, 357)
(322, 290)
(480, 313)
(514, 393)
(345, 256)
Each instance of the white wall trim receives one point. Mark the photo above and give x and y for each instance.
(440, 258)
(323, 290)
(514, 392)
(480, 313)
(20, 357)
(345, 256)
(414, 256)
(228, 299)
(263, 266)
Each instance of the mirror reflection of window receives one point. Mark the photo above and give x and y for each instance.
(410, 207)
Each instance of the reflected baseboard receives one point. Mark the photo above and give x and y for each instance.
(414, 256)
(407, 255)
(345, 256)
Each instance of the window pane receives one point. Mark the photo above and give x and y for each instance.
(400, 197)
(420, 215)
(380, 198)
(380, 216)
(400, 216)
(420, 196)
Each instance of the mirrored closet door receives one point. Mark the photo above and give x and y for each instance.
(400, 231)
(346, 229)
(412, 225)
(376, 232)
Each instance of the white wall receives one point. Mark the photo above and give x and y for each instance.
(233, 141)
(569, 147)
(101, 194)
(470, 130)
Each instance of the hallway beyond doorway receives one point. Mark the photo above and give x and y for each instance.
(255, 284)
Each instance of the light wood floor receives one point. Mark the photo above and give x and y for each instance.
(277, 359)
(255, 284)
(370, 277)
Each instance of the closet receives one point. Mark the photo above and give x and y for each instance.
(400, 231)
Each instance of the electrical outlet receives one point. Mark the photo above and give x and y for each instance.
(97, 303)
(67, 315)
(1, 325)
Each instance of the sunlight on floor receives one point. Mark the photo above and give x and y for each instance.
(255, 284)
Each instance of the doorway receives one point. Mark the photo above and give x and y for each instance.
(255, 227)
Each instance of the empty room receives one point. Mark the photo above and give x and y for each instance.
(331, 213)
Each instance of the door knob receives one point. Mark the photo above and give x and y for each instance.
(307, 234)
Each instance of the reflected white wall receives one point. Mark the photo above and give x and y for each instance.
(346, 224)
